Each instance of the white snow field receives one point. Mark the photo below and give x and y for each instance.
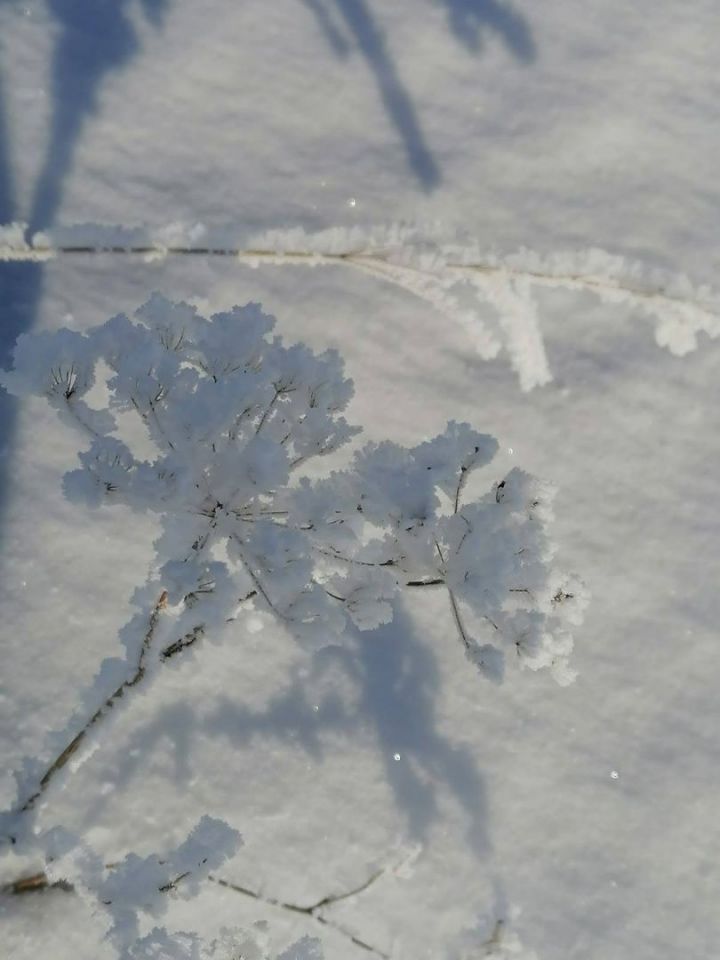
(560, 822)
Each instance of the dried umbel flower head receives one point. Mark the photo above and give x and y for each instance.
(233, 414)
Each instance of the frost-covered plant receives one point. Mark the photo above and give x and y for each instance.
(139, 887)
(492, 296)
(232, 414)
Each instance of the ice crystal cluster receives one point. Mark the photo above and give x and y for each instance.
(493, 296)
(137, 891)
(138, 888)
(234, 415)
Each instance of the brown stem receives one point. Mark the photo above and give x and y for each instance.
(314, 910)
(39, 882)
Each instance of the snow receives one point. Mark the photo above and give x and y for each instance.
(552, 132)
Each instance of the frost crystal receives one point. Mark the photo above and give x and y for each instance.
(140, 886)
(232, 413)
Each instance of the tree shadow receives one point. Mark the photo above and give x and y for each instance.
(7, 192)
(94, 39)
(468, 19)
(20, 290)
(358, 20)
(349, 25)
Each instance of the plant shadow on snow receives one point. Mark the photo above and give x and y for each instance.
(395, 681)
(177, 724)
(468, 18)
(93, 39)
(20, 286)
(357, 18)
(348, 23)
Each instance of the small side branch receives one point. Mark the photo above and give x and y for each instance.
(187, 640)
(39, 883)
(458, 620)
(197, 632)
(315, 910)
(259, 588)
(462, 480)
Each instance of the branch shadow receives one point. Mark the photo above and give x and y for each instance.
(468, 19)
(174, 726)
(349, 25)
(396, 683)
(358, 20)
(94, 39)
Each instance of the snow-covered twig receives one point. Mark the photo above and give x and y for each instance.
(490, 295)
(230, 412)
(314, 910)
(135, 678)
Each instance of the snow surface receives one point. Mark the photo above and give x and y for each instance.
(591, 808)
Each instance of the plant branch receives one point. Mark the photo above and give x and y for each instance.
(39, 883)
(172, 649)
(79, 420)
(137, 676)
(35, 883)
(314, 910)
(368, 261)
(462, 480)
(259, 588)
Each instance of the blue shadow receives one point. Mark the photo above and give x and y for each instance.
(369, 40)
(94, 38)
(469, 18)
(349, 25)
(397, 682)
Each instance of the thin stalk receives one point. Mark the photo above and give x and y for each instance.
(137, 676)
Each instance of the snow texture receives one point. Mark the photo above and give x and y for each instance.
(494, 126)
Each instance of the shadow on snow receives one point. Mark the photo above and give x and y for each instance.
(394, 683)
(93, 39)
(349, 24)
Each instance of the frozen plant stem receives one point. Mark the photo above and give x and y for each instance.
(231, 411)
(39, 882)
(315, 910)
(492, 297)
(362, 259)
(137, 676)
(135, 679)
